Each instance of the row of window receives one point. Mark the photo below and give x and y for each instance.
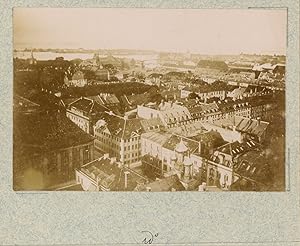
(132, 155)
(131, 147)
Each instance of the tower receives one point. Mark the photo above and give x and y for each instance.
(32, 60)
(187, 169)
(181, 150)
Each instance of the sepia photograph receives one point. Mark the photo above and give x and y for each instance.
(149, 100)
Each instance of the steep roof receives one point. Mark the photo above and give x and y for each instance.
(237, 148)
(157, 137)
(22, 104)
(212, 137)
(167, 184)
(151, 124)
(119, 126)
(250, 126)
(48, 131)
(172, 142)
(243, 124)
(87, 105)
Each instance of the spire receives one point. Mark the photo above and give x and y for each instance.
(181, 147)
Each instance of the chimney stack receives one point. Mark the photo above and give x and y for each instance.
(148, 188)
(126, 178)
(113, 160)
(200, 188)
(258, 120)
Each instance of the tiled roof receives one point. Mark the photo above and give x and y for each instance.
(151, 124)
(110, 175)
(252, 167)
(212, 137)
(22, 104)
(172, 142)
(157, 137)
(237, 148)
(48, 131)
(166, 184)
(87, 105)
(243, 124)
(250, 126)
(120, 127)
(155, 75)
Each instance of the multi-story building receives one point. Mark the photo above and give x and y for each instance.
(84, 112)
(263, 107)
(79, 79)
(239, 129)
(230, 108)
(171, 114)
(221, 165)
(204, 92)
(120, 137)
(107, 174)
(49, 156)
(166, 147)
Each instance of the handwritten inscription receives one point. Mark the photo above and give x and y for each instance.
(149, 237)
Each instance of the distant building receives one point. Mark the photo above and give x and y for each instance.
(32, 60)
(79, 79)
(102, 74)
(236, 93)
(204, 93)
(154, 79)
(171, 114)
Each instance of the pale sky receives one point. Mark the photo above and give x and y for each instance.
(205, 31)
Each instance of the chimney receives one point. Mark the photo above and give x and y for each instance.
(113, 160)
(106, 156)
(258, 120)
(126, 178)
(148, 188)
(200, 188)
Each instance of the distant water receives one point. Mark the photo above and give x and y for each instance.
(83, 56)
